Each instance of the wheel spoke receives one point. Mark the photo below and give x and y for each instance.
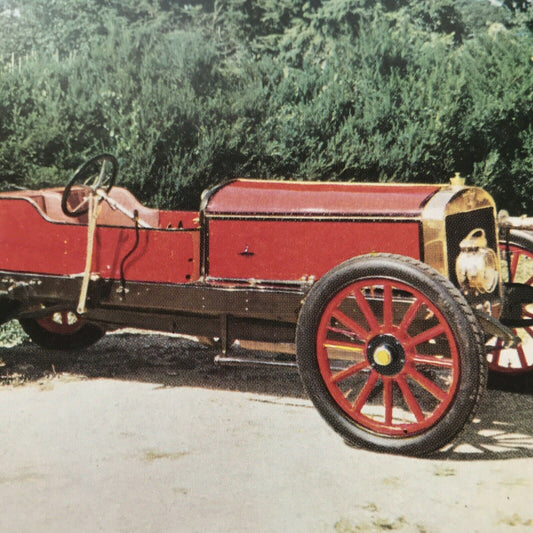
(497, 352)
(514, 264)
(387, 306)
(344, 332)
(425, 336)
(410, 314)
(89, 182)
(344, 346)
(388, 400)
(410, 399)
(350, 371)
(521, 356)
(80, 205)
(432, 360)
(427, 384)
(365, 392)
(350, 324)
(365, 309)
(101, 175)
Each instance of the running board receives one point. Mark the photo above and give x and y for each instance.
(224, 360)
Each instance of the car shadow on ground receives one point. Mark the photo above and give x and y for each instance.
(169, 361)
(502, 429)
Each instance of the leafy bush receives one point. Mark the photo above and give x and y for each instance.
(11, 334)
(188, 95)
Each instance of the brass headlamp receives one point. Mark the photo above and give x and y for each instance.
(476, 266)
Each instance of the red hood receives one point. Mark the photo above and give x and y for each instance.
(278, 198)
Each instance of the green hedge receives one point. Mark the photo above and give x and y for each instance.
(189, 95)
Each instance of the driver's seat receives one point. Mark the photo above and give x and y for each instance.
(52, 206)
(113, 217)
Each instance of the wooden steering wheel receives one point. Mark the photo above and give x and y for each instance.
(95, 175)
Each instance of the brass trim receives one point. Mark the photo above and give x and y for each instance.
(448, 201)
(332, 182)
(313, 218)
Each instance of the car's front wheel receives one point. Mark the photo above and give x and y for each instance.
(391, 354)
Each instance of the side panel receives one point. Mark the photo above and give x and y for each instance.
(29, 243)
(292, 250)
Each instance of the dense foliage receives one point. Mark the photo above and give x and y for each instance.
(188, 94)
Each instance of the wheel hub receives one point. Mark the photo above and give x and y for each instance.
(385, 354)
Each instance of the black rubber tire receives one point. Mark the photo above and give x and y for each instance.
(467, 333)
(78, 179)
(8, 309)
(84, 337)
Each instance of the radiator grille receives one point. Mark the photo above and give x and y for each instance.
(458, 226)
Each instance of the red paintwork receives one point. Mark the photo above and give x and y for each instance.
(255, 230)
(316, 199)
(285, 230)
(30, 243)
(179, 219)
(290, 250)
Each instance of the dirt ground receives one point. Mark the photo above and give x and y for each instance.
(142, 433)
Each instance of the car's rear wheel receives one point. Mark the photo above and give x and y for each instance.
(62, 330)
(391, 354)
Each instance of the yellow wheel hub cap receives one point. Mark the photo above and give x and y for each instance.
(382, 356)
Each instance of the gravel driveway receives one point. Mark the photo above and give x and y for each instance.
(141, 433)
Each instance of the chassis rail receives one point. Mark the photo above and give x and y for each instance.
(256, 313)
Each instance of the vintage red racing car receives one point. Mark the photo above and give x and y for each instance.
(395, 298)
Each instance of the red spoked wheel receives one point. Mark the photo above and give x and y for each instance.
(518, 360)
(403, 371)
(391, 354)
(61, 330)
(62, 323)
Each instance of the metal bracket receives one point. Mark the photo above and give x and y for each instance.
(246, 252)
(516, 295)
(20, 291)
(224, 338)
(495, 328)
